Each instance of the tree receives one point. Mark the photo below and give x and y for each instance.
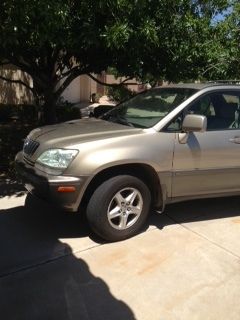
(55, 41)
(228, 34)
(223, 50)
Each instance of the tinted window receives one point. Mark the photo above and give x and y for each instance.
(222, 110)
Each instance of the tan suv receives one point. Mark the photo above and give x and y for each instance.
(164, 145)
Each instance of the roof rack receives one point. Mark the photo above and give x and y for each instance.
(225, 81)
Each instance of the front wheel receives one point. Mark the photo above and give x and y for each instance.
(119, 207)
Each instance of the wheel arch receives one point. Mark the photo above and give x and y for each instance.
(144, 172)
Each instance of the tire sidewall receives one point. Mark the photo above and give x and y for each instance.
(100, 201)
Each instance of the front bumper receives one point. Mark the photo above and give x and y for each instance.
(45, 186)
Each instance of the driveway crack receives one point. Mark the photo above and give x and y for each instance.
(183, 225)
(47, 261)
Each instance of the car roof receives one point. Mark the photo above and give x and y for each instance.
(203, 85)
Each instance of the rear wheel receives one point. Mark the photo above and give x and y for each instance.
(119, 207)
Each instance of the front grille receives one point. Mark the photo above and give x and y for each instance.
(30, 146)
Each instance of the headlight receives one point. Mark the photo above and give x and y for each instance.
(57, 158)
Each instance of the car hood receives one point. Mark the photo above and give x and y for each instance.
(80, 131)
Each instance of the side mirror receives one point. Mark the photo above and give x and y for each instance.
(194, 123)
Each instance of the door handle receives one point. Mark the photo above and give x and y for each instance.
(235, 140)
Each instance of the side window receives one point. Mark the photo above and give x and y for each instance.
(202, 107)
(222, 110)
(227, 111)
(176, 124)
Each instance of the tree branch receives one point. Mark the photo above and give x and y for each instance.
(67, 73)
(112, 84)
(31, 70)
(76, 73)
(213, 66)
(127, 79)
(18, 82)
(4, 63)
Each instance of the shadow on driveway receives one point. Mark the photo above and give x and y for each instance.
(11, 187)
(40, 278)
(29, 234)
(197, 210)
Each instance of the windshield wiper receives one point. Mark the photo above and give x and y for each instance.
(124, 121)
(117, 119)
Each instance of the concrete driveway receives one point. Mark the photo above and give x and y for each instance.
(185, 265)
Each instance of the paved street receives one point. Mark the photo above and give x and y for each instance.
(185, 265)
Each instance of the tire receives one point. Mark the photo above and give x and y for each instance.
(119, 208)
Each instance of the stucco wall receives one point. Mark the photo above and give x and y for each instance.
(72, 92)
(80, 89)
(12, 93)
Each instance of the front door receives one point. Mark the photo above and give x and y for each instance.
(209, 163)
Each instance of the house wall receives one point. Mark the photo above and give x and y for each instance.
(12, 93)
(79, 90)
(72, 92)
(111, 79)
(85, 88)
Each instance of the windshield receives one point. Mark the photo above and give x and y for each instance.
(149, 107)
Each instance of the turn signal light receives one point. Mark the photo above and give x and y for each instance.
(66, 189)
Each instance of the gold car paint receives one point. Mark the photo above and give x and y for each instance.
(185, 170)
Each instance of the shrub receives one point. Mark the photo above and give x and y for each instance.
(120, 93)
(5, 112)
(67, 112)
(24, 113)
(95, 97)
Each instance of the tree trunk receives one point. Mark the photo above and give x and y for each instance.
(49, 113)
(49, 108)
